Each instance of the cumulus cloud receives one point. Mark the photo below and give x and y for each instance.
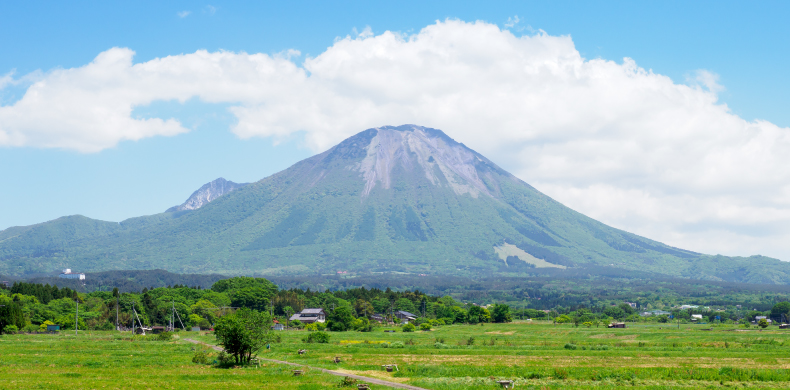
(610, 139)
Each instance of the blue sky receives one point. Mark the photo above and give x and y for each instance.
(743, 45)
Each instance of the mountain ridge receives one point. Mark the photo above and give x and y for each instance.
(404, 199)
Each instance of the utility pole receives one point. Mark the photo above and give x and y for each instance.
(76, 317)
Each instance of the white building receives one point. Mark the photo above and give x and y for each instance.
(67, 274)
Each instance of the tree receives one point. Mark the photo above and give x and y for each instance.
(406, 305)
(763, 323)
(340, 320)
(11, 315)
(251, 297)
(615, 312)
(779, 310)
(501, 313)
(478, 314)
(363, 308)
(244, 333)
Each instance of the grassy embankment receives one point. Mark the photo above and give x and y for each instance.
(535, 355)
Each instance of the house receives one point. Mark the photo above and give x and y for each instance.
(278, 326)
(655, 313)
(758, 318)
(378, 318)
(309, 316)
(67, 274)
(617, 325)
(632, 304)
(696, 317)
(405, 316)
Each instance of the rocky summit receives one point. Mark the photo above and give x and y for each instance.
(406, 199)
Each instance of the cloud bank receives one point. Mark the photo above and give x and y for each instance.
(612, 140)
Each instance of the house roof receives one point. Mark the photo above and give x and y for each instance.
(313, 311)
(406, 313)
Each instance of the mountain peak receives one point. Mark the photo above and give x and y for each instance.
(376, 153)
(207, 193)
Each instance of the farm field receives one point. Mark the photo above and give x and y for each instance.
(535, 355)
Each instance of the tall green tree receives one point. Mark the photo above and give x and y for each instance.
(244, 333)
(341, 319)
(501, 313)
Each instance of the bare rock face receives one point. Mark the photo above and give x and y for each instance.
(208, 193)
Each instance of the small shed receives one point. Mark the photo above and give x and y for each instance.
(278, 326)
(196, 329)
(157, 329)
(617, 325)
(53, 328)
(784, 326)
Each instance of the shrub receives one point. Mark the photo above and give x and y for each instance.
(570, 346)
(397, 344)
(202, 357)
(409, 327)
(347, 382)
(10, 329)
(311, 327)
(30, 328)
(225, 359)
(317, 337)
(440, 340)
(43, 326)
(164, 336)
(425, 326)
(560, 373)
(439, 345)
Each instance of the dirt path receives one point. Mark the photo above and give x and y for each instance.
(366, 379)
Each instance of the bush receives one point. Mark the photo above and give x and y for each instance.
(425, 326)
(470, 340)
(164, 336)
(202, 357)
(30, 328)
(347, 382)
(10, 329)
(409, 327)
(397, 344)
(316, 337)
(439, 345)
(570, 346)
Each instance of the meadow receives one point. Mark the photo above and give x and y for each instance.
(534, 354)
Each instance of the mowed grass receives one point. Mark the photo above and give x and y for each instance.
(534, 355)
(109, 360)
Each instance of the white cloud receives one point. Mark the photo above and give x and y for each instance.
(612, 140)
(183, 14)
(511, 21)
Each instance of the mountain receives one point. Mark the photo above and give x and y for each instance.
(207, 193)
(405, 199)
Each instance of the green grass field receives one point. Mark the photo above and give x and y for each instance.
(535, 355)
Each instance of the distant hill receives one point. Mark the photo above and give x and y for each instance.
(405, 199)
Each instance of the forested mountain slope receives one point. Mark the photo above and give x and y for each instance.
(405, 199)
